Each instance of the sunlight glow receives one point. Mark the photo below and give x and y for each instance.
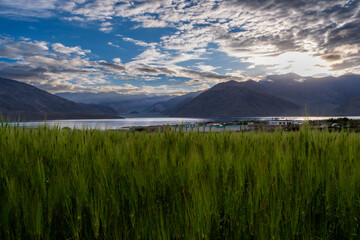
(302, 63)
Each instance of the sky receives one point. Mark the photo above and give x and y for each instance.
(173, 47)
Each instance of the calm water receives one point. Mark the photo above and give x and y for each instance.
(115, 123)
(130, 122)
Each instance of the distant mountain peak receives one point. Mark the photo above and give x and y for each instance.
(229, 82)
(236, 99)
(233, 83)
(18, 99)
(237, 82)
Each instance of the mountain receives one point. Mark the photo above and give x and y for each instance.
(349, 108)
(121, 103)
(22, 100)
(172, 105)
(237, 99)
(321, 96)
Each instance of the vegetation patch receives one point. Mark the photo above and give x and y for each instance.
(91, 184)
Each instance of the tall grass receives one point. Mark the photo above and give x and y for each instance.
(91, 184)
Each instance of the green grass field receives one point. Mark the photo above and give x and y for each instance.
(91, 184)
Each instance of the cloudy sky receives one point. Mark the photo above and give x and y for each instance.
(173, 47)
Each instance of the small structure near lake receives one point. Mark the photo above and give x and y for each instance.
(277, 122)
(211, 128)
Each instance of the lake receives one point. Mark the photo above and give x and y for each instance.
(114, 123)
(142, 122)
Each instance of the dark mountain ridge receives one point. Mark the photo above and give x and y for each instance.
(237, 99)
(349, 108)
(21, 100)
(121, 103)
(321, 96)
(172, 105)
(325, 96)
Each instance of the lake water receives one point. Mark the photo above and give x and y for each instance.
(115, 123)
(142, 122)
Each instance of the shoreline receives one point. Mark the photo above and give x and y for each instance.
(152, 124)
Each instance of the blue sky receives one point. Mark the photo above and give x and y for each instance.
(173, 47)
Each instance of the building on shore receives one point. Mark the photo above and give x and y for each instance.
(213, 128)
(278, 122)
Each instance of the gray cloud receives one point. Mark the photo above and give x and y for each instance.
(207, 75)
(56, 67)
(21, 9)
(16, 50)
(331, 57)
(114, 66)
(166, 71)
(147, 70)
(21, 71)
(347, 64)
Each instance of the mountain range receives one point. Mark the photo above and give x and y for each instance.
(278, 95)
(171, 106)
(237, 99)
(123, 104)
(25, 102)
(274, 95)
(320, 96)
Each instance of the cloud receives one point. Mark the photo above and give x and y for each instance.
(27, 9)
(40, 62)
(263, 37)
(69, 6)
(152, 23)
(205, 68)
(18, 50)
(56, 67)
(60, 48)
(95, 10)
(208, 77)
(117, 60)
(112, 66)
(113, 44)
(106, 27)
(344, 58)
(138, 42)
(301, 63)
(240, 28)
(331, 57)
(348, 49)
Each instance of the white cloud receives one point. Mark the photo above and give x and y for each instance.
(106, 27)
(154, 24)
(105, 24)
(117, 60)
(301, 63)
(113, 44)
(138, 42)
(69, 6)
(60, 48)
(206, 68)
(18, 50)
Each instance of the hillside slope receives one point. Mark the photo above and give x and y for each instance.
(320, 96)
(237, 99)
(21, 100)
